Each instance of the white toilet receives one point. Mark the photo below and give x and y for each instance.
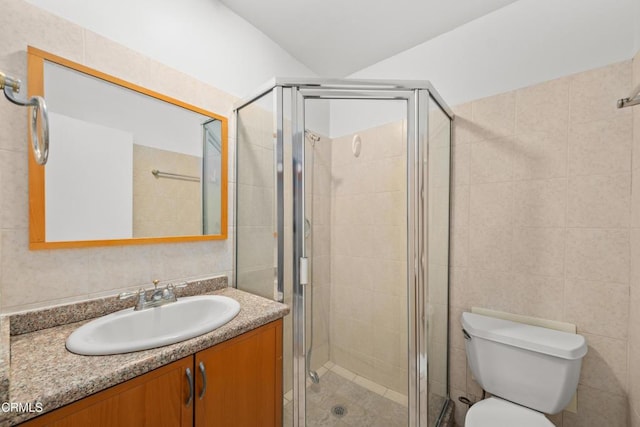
(528, 370)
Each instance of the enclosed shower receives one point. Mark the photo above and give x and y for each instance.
(342, 212)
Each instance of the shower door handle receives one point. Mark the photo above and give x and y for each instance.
(304, 271)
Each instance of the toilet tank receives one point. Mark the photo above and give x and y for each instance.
(532, 366)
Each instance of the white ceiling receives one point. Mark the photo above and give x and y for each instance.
(335, 38)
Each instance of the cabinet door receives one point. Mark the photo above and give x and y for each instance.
(243, 380)
(155, 399)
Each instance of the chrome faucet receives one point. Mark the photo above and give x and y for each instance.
(159, 296)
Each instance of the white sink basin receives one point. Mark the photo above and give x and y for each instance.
(129, 330)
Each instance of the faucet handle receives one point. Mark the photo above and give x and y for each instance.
(169, 290)
(127, 295)
(155, 283)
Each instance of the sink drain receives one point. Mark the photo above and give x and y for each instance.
(339, 411)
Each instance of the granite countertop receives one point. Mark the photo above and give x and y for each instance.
(42, 370)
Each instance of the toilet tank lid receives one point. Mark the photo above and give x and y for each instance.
(533, 338)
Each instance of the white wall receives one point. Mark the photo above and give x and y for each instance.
(524, 43)
(88, 200)
(527, 42)
(201, 38)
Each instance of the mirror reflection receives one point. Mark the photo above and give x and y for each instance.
(127, 165)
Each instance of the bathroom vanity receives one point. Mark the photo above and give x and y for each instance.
(230, 376)
(235, 383)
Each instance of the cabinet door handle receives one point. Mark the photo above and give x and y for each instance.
(190, 381)
(203, 372)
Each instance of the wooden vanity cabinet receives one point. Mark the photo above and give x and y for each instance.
(243, 378)
(157, 398)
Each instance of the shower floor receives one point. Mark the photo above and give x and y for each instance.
(366, 403)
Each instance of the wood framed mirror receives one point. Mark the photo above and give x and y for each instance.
(127, 165)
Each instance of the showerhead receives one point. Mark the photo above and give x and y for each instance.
(312, 136)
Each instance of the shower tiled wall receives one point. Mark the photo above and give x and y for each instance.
(634, 305)
(541, 224)
(255, 198)
(368, 258)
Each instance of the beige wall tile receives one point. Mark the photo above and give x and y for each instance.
(460, 409)
(389, 277)
(490, 248)
(387, 348)
(598, 254)
(391, 377)
(495, 116)
(491, 205)
(458, 369)
(13, 135)
(600, 147)
(460, 206)
(599, 201)
(257, 250)
(635, 198)
(491, 160)
(592, 92)
(437, 324)
(605, 365)
(14, 193)
(488, 288)
(636, 139)
(540, 155)
(463, 130)
(38, 277)
(438, 286)
(597, 408)
(540, 203)
(386, 208)
(460, 164)
(555, 419)
(459, 252)
(634, 314)
(110, 58)
(473, 388)
(459, 287)
(455, 327)
(543, 107)
(23, 24)
(634, 367)
(597, 307)
(537, 296)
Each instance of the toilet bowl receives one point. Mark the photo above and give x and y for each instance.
(495, 412)
(528, 370)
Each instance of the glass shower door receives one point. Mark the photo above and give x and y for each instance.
(355, 241)
(351, 231)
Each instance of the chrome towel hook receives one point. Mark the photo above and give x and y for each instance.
(39, 143)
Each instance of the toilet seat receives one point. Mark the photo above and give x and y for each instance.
(495, 412)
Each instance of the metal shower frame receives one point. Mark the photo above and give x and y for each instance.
(417, 94)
